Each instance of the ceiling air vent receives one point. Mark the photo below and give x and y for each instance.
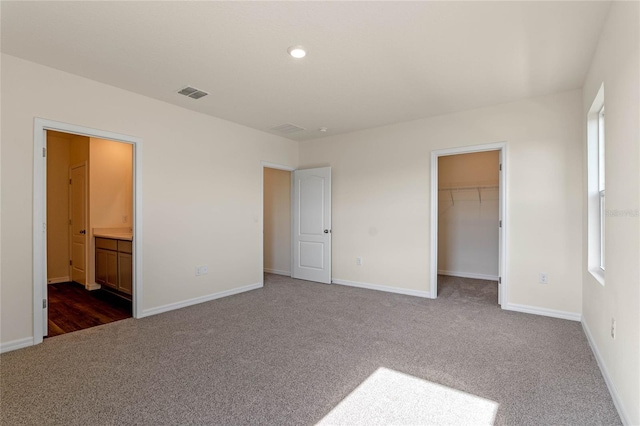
(288, 128)
(192, 92)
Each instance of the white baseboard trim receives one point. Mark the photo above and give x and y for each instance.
(468, 275)
(16, 344)
(197, 300)
(58, 280)
(572, 316)
(277, 272)
(398, 290)
(624, 416)
(94, 286)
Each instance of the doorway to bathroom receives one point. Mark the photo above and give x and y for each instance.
(95, 244)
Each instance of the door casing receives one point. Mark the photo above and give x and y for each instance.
(40, 127)
(502, 243)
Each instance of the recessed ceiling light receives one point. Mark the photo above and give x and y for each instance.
(297, 52)
(323, 129)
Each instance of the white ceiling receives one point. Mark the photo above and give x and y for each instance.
(368, 63)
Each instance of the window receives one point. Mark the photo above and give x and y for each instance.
(596, 211)
(601, 182)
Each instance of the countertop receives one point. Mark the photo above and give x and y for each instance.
(113, 233)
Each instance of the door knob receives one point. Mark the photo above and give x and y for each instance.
(326, 231)
(83, 232)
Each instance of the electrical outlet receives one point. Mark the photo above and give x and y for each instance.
(124, 218)
(544, 278)
(359, 261)
(198, 271)
(613, 328)
(204, 270)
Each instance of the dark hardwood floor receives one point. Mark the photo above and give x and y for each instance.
(72, 308)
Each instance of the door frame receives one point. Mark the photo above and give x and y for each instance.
(268, 165)
(40, 127)
(86, 217)
(501, 147)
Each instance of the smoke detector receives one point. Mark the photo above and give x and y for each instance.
(192, 92)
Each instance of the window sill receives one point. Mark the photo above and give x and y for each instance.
(598, 274)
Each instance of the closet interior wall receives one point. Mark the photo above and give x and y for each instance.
(468, 214)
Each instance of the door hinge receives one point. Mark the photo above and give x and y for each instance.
(69, 181)
(500, 224)
(70, 262)
(499, 280)
(44, 152)
(69, 221)
(44, 303)
(500, 167)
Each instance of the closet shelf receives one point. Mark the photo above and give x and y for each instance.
(467, 188)
(478, 188)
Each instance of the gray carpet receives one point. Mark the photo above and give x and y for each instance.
(291, 352)
(465, 290)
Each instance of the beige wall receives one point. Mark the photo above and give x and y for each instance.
(63, 151)
(616, 63)
(201, 185)
(468, 218)
(478, 168)
(79, 150)
(58, 145)
(110, 190)
(381, 196)
(277, 221)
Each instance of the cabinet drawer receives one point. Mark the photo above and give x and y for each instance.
(107, 243)
(124, 246)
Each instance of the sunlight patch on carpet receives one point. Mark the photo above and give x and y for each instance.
(389, 397)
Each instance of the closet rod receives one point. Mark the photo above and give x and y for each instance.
(478, 188)
(467, 188)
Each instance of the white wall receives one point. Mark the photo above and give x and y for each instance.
(468, 218)
(58, 146)
(277, 221)
(616, 63)
(381, 196)
(201, 187)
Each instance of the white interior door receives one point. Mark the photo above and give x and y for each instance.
(311, 233)
(78, 222)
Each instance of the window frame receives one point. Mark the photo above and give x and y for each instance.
(596, 212)
(601, 183)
